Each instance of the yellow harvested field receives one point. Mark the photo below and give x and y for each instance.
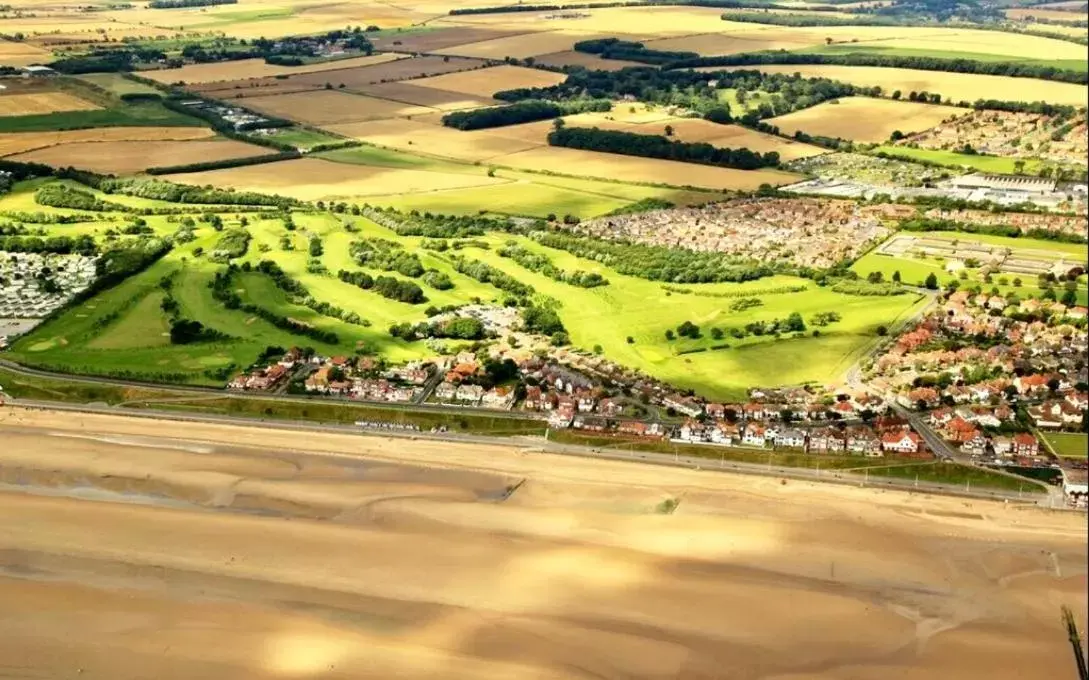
(951, 40)
(594, 164)
(520, 46)
(865, 119)
(431, 41)
(957, 86)
(409, 93)
(637, 22)
(716, 44)
(36, 103)
(330, 107)
(21, 54)
(590, 61)
(1042, 13)
(311, 179)
(256, 68)
(434, 139)
(21, 142)
(126, 158)
(487, 81)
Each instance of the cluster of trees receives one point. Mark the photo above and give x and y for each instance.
(225, 163)
(526, 111)
(542, 319)
(659, 146)
(61, 245)
(542, 265)
(437, 280)
(183, 193)
(187, 331)
(657, 263)
(692, 90)
(386, 255)
(614, 48)
(459, 328)
(178, 4)
(232, 244)
(486, 273)
(64, 196)
(994, 68)
(427, 225)
(386, 286)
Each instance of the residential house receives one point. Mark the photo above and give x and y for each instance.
(901, 442)
(755, 435)
(1024, 444)
(790, 438)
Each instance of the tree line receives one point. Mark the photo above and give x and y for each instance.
(386, 286)
(526, 111)
(223, 290)
(542, 265)
(178, 4)
(386, 255)
(659, 146)
(458, 328)
(485, 273)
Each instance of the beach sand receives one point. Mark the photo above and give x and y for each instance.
(137, 548)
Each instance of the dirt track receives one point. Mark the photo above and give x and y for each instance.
(132, 548)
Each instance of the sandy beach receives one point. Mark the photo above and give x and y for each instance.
(132, 548)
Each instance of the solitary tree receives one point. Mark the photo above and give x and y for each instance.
(896, 276)
(931, 282)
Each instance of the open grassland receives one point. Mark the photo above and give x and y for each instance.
(21, 142)
(121, 330)
(956, 86)
(39, 103)
(118, 84)
(994, 164)
(330, 107)
(486, 82)
(864, 119)
(1068, 445)
(254, 68)
(129, 157)
(313, 178)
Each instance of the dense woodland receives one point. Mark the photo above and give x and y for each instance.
(526, 111)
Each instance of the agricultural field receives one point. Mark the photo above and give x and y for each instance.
(131, 157)
(117, 84)
(330, 107)
(312, 179)
(122, 330)
(14, 53)
(41, 103)
(864, 119)
(1068, 445)
(488, 81)
(196, 74)
(22, 142)
(521, 46)
(956, 86)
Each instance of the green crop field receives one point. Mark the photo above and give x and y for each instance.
(123, 114)
(991, 164)
(303, 139)
(123, 331)
(118, 84)
(1068, 445)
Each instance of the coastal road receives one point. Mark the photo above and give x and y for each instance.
(531, 445)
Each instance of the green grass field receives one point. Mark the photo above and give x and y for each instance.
(990, 164)
(914, 271)
(118, 84)
(122, 330)
(303, 139)
(528, 193)
(1068, 445)
(134, 114)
